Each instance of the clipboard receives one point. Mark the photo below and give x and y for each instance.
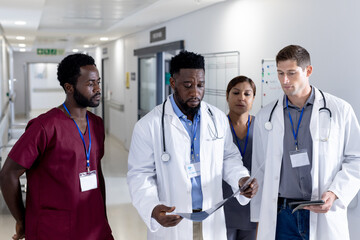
(302, 204)
(201, 216)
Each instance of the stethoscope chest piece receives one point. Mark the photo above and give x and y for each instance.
(268, 126)
(165, 157)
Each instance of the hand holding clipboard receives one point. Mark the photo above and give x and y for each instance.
(249, 188)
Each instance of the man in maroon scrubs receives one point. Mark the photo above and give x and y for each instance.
(60, 152)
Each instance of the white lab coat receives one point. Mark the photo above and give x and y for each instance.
(152, 181)
(335, 166)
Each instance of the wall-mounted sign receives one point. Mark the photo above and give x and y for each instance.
(158, 35)
(50, 51)
(133, 76)
(104, 50)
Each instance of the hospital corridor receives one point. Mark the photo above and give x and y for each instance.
(183, 87)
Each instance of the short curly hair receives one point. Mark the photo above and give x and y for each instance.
(68, 69)
(186, 59)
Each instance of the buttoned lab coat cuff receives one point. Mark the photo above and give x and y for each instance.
(342, 202)
(241, 199)
(154, 225)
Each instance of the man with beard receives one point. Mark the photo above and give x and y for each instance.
(179, 154)
(60, 152)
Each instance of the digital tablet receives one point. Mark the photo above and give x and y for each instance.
(302, 204)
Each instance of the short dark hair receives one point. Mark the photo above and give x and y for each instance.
(294, 52)
(68, 69)
(240, 79)
(186, 59)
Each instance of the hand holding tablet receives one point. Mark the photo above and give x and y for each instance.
(302, 204)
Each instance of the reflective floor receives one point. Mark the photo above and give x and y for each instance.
(123, 217)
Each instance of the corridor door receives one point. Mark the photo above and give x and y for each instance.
(147, 85)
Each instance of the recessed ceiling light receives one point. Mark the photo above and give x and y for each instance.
(20, 38)
(86, 46)
(22, 50)
(22, 45)
(104, 38)
(20, 23)
(75, 50)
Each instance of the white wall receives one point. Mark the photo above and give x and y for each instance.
(20, 61)
(258, 29)
(115, 87)
(5, 53)
(43, 85)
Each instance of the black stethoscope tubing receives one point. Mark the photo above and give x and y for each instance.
(324, 107)
(165, 155)
(272, 110)
(268, 125)
(162, 126)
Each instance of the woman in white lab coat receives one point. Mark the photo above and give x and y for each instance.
(335, 165)
(153, 181)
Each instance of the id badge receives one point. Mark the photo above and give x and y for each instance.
(193, 170)
(88, 180)
(299, 158)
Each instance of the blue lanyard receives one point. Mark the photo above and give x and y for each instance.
(83, 140)
(292, 125)
(247, 136)
(193, 139)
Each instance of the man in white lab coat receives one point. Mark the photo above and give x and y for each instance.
(306, 146)
(179, 154)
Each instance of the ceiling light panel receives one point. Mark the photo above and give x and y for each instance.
(20, 23)
(91, 15)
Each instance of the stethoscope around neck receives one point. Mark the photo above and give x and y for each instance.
(269, 126)
(165, 156)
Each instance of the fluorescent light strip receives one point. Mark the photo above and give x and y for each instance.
(20, 23)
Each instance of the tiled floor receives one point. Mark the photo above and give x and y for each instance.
(123, 217)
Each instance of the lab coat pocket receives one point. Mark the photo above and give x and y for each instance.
(330, 142)
(330, 155)
(54, 224)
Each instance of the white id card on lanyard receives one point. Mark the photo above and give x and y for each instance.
(193, 170)
(299, 158)
(88, 180)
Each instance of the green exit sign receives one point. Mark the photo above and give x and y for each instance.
(50, 51)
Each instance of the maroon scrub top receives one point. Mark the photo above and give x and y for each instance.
(53, 153)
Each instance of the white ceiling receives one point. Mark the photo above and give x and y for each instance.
(69, 24)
